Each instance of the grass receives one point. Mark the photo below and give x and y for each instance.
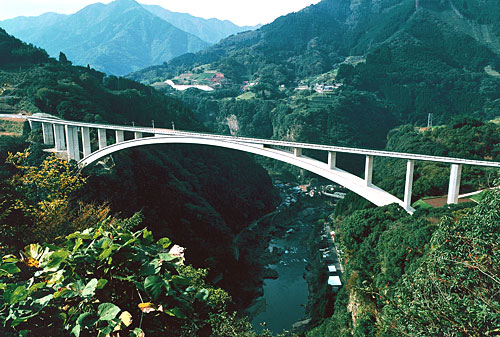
(10, 127)
(246, 96)
(478, 197)
(421, 204)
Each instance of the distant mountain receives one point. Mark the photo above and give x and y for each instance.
(117, 38)
(211, 30)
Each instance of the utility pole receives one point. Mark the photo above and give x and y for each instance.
(429, 121)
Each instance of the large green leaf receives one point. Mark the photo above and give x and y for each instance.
(76, 330)
(153, 286)
(108, 251)
(14, 294)
(101, 283)
(107, 311)
(87, 319)
(8, 269)
(202, 295)
(151, 268)
(90, 288)
(167, 257)
(44, 300)
(55, 259)
(147, 237)
(164, 242)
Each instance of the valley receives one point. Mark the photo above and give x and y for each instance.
(90, 251)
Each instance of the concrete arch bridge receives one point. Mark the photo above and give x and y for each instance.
(74, 139)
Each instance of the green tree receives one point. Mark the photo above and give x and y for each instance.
(456, 289)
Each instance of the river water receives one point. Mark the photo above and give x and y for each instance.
(285, 298)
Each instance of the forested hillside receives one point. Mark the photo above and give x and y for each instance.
(431, 273)
(174, 185)
(406, 58)
(391, 63)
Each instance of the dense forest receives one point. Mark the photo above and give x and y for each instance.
(393, 62)
(199, 197)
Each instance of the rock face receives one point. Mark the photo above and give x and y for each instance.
(270, 274)
(232, 123)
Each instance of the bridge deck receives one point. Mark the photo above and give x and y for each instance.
(342, 149)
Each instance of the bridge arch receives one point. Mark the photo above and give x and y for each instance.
(359, 186)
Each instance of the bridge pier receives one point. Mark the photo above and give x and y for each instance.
(59, 137)
(137, 135)
(48, 134)
(332, 160)
(101, 137)
(454, 186)
(120, 137)
(297, 151)
(409, 184)
(87, 150)
(368, 170)
(34, 125)
(72, 143)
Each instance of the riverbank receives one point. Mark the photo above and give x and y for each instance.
(284, 243)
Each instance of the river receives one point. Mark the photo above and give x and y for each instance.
(285, 298)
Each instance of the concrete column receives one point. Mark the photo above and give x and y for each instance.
(87, 150)
(35, 125)
(48, 134)
(454, 186)
(72, 142)
(101, 137)
(409, 183)
(120, 137)
(297, 151)
(368, 170)
(332, 160)
(59, 137)
(137, 135)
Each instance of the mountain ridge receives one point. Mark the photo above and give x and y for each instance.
(102, 43)
(211, 30)
(331, 30)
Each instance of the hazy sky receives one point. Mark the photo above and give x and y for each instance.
(241, 12)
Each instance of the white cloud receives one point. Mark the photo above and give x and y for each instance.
(241, 12)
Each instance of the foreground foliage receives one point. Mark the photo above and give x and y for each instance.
(107, 278)
(418, 276)
(103, 279)
(455, 291)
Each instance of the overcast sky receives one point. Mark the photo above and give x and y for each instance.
(241, 12)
